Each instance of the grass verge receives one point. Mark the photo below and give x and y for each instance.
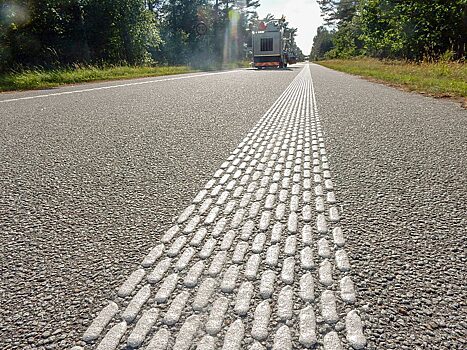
(42, 79)
(440, 79)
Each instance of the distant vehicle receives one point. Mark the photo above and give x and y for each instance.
(292, 58)
(269, 45)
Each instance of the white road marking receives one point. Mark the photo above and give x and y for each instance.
(242, 259)
(116, 86)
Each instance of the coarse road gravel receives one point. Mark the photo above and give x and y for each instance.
(90, 181)
(399, 162)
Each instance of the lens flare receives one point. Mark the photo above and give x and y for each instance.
(13, 14)
(231, 38)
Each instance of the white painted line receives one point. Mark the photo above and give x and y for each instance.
(116, 86)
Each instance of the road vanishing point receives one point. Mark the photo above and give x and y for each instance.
(278, 209)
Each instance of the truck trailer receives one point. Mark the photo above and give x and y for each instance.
(269, 45)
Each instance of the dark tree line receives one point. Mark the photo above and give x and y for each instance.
(57, 33)
(405, 29)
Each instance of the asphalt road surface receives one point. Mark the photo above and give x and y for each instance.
(277, 209)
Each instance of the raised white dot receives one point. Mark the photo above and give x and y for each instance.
(319, 204)
(229, 208)
(191, 278)
(244, 295)
(332, 341)
(334, 214)
(247, 230)
(216, 316)
(269, 204)
(237, 218)
(166, 288)
(136, 303)
(227, 240)
(217, 263)
(307, 321)
(194, 221)
(100, 322)
(268, 279)
(199, 197)
(219, 227)
(207, 343)
(324, 250)
(142, 328)
(321, 224)
(171, 232)
(285, 303)
(258, 243)
(287, 273)
(186, 213)
(176, 308)
(307, 287)
(354, 327)
(230, 279)
(131, 282)
(272, 255)
(325, 273)
(184, 259)
(328, 307)
(347, 290)
(306, 258)
(212, 215)
(239, 252)
(282, 339)
(280, 211)
(198, 237)
(338, 237)
(234, 336)
(187, 333)
(261, 321)
(153, 255)
(292, 223)
(203, 296)
(113, 336)
(252, 266)
(254, 209)
(342, 260)
(159, 270)
(307, 235)
(245, 200)
(208, 248)
(283, 195)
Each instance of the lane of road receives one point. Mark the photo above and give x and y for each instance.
(93, 180)
(399, 162)
(90, 180)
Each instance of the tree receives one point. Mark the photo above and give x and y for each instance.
(414, 29)
(322, 43)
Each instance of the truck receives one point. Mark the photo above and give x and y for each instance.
(269, 45)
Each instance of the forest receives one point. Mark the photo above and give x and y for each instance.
(47, 34)
(414, 30)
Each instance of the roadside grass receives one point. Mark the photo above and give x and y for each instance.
(42, 79)
(439, 79)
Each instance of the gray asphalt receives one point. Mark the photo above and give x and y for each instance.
(90, 180)
(399, 161)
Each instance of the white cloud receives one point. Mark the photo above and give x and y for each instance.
(301, 14)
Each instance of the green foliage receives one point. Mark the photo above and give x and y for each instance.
(53, 34)
(409, 29)
(322, 44)
(40, 79)
(436, 78)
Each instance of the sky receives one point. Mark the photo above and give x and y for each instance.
(301, 14)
